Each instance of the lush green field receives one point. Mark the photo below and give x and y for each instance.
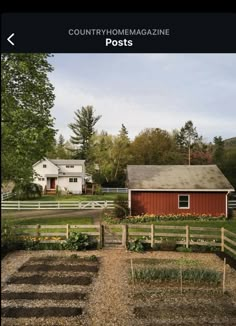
(108, 196)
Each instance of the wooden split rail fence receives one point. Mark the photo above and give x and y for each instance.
(152, 234)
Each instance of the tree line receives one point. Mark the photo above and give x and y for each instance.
(108, 155)
(28, 133)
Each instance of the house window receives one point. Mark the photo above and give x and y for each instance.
(44, 166)
(72, 179)
(184, 202)
(69, 166)
(40, 179)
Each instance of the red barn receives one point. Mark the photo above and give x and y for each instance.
(174, 189)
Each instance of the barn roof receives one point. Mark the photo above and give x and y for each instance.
(177, 177)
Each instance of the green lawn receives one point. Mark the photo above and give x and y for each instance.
(53, 221)
(109, 196)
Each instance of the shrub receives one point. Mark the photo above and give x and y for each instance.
(76, 241)
(9, 240)
(136, 246)
(168, 245)
(121, 207)
(28, 190)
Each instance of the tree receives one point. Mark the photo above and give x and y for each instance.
(83, 129)
(219, 150)
(188, 138)
(154, 146)
(121, 154)
(27, 125)
(61, 141)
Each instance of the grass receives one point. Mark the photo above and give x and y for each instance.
(53, 221)
(108, 196)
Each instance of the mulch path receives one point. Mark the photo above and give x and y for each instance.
(40, 312)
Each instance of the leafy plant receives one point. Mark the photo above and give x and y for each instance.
(91, 258)
(77, 241)
(168, 245)
(136, 246)
(183, 249)
(121, 207)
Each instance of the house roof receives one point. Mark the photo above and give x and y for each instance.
(67, 162)
(177, 177)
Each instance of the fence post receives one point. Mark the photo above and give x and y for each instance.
(18, 205)
(187, 236)
(38, 230)
(39, 205)
(125, 235)
(222, 239)
(67, 231)
(101, 236)
(152, 235)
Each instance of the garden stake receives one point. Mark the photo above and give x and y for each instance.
(181, 280)
(224, 272)
(132, 270)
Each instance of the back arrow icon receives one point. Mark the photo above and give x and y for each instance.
(9, 39)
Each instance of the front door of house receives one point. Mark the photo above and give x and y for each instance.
(52, 183)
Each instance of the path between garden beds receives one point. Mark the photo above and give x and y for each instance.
(109, 301)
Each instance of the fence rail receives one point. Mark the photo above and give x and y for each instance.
(152, 234)
(21, 205)
(6, 195)
(115, 190)
(232, 204)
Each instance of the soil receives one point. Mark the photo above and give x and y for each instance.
(229, 260)
(111, 299)
(40, 312)
(43, 296)
(58, 268)
(40, 279)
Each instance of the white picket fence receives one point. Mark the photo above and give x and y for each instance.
(6, 195)
(232, 204)
(115, 190)
(21, 205)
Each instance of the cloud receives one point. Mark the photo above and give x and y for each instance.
(147, 91)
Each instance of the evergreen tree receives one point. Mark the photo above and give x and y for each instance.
(219, 150)
(83, 130)
(188, 138)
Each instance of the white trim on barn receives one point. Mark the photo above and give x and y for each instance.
(185, 190)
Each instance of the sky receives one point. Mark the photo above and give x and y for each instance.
(147, 91)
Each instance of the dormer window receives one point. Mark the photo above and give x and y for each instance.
(69, 166)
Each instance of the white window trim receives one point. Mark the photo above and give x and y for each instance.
(188, 201)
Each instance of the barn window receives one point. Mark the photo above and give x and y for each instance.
(184, 201)
(69, 166)
(44, 165)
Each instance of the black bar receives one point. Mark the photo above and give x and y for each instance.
(188, 32)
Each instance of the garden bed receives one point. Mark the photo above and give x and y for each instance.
(40, 312)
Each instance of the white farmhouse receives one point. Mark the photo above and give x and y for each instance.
(68, 175)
